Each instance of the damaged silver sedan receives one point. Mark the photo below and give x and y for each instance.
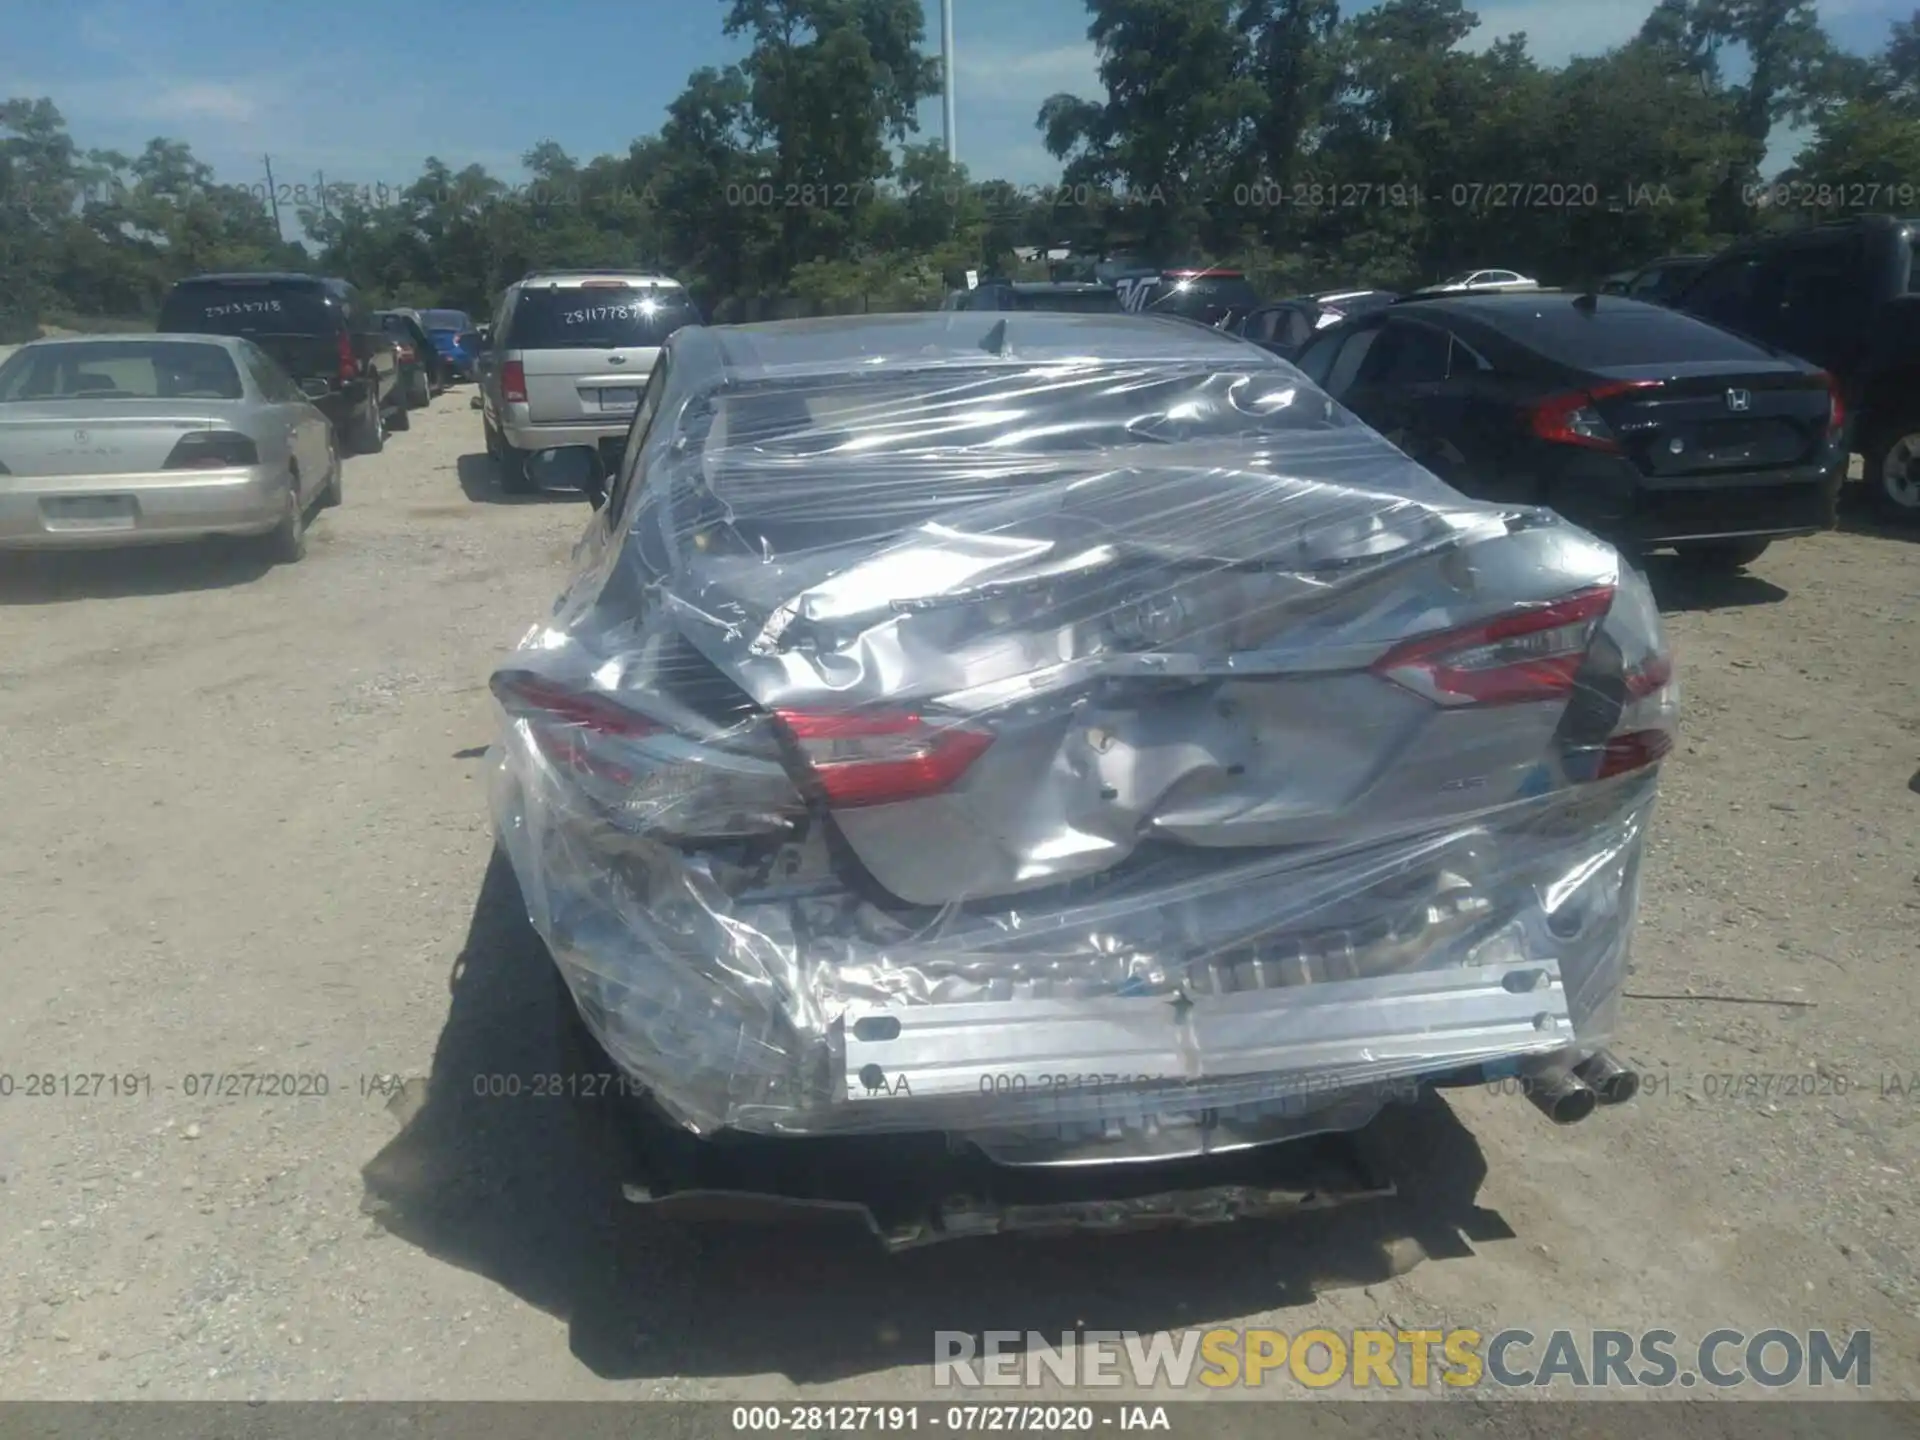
(1077, 737)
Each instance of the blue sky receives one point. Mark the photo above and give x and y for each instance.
(365, 90)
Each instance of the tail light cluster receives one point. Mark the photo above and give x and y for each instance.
(879, 758)
(349, 366)
(405, 352)
(856, 758)
(1539, 655)
(1571, 418)
(1516, 659)
(1836, 405)
(513, 382)
(213, 450)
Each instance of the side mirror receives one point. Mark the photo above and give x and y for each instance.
(314, 388)
(588, 470)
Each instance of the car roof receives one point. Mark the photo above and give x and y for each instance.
(560, 279)
(276, 277)
(121, 337)
(851, 344)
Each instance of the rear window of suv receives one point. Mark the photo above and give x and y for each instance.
(1202, 297)
(240, 308)
(572, 317)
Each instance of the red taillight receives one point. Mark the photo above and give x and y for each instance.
(349, 367)
(1570, 419)
(405, 353)
(513, 381)
(1512, 660)
(1635, 750)
(1649, 678)
(1836, 406)
(212, 450)
(879, 759)
(531, 698)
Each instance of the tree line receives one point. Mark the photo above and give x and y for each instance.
(1308, 146)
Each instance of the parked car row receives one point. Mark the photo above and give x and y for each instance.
(231, 420)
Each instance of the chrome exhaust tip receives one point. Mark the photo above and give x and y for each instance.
(1560, 1095)
(1611, 1081)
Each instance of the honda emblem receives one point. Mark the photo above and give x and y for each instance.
(80, 437)
(1739, 399)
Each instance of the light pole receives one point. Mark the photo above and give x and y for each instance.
(946, 74)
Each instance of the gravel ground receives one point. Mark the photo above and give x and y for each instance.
(246, 831)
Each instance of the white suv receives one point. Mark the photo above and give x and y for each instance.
(571, 354)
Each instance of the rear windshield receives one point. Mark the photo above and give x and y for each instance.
(239, 308)
(109, 370)
(1628, 337)
(575, 317)
(1072, 302)
(446, 320)
(1204, 298)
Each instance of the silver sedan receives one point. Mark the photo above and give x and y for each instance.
(132, 439)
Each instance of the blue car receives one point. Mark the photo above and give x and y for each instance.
(451, 333)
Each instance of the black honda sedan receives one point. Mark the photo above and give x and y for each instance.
(1652, 428)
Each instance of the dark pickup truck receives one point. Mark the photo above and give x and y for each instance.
(317, 327)
(1845, 296)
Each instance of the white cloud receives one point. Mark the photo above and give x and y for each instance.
(1557, 30)
(204, 100)
(993, 73)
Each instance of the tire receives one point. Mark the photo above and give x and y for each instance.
(367, 431)
(515, 478)
(330, 493)
(1724, 556)
(1891, 462)
(419, 390)
(401, 417)
(286, 543)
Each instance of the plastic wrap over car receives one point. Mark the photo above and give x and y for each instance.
(1074, 733)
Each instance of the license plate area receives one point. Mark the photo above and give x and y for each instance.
(619, 398)
(90, 512)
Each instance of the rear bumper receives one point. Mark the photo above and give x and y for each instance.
(1615, 500)
(524, 433)
(146, 509)
(1280, 998)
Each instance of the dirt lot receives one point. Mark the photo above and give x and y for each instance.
(246, 831)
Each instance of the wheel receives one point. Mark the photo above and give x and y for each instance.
(515, 478)
(367, 431)
(287, 542)
(1892, 470)
(419, 390)
(401, 417)
(1724, 555)
(330, 493)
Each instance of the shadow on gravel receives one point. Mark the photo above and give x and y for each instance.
(1680, 586)
(508, 1189)
(53, 579)
(480, 481)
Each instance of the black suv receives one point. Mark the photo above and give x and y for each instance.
(318, 328)
(1847, 297)
(1076, 297)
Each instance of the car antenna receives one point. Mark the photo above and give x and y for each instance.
(995, 342)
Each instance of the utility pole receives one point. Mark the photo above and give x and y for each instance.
(946, 75)
(273, 200)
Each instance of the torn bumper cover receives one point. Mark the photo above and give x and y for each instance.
(1093, 761)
